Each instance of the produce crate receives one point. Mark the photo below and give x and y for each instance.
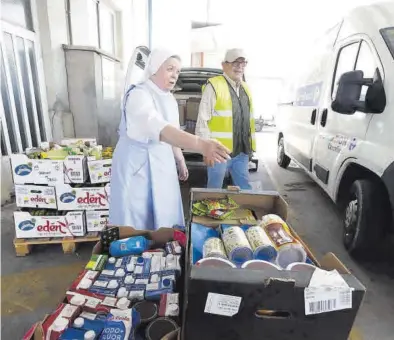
(36, 225)
(82, 197)
(23, 247)
(246, 304)
(96, 220)
(73, 169)
(99, 170)
(35, 196)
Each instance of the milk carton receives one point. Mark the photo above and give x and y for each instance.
(121, 325)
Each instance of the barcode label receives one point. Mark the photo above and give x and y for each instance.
(322, 306)
(325, 299)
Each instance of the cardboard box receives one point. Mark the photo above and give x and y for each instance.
(192, 107)
(100, 170)
(46, 171)
(35, 196)
(182, 112)
(270, 302)
(82, 198)
(96, 220)
(29, 226)
(36, 171)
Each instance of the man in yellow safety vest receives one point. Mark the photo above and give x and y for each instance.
(226, 114)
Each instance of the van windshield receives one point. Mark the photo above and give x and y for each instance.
(388, 36)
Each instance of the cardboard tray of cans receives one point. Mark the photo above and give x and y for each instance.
(256, 303)
(97, 303)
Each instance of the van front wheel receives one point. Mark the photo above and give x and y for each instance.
(282, 159)
(365, 218)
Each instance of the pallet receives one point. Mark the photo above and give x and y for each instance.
(69, 244)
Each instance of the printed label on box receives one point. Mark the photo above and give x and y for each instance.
(220, 304)
(96, 220)
(100, 171)
(88, 198)
(36, 171)
(327, 299)
(28, 226)
(75, 169)
(34, 196)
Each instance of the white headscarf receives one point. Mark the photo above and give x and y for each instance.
(135, 75)
(156, 59)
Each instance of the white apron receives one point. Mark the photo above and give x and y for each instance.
(145, 191)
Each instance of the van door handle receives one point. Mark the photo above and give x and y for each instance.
(323, 120)
(313, 117)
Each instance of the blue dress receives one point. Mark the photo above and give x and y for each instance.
(145, 192)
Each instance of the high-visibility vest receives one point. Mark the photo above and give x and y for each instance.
(221, 122)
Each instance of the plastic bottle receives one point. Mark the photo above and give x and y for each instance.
(129, 246)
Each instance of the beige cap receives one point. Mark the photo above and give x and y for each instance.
(233, 54)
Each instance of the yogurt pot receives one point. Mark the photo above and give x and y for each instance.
(301, 266)
(260, 265)
(215, 262)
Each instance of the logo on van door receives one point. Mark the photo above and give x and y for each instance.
(352, 144)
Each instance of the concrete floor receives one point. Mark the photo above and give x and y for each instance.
(33, 285)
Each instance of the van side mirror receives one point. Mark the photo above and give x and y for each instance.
(348, 101)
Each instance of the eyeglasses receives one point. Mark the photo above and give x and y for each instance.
(237, 63)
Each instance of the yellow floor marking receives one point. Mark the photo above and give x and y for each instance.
(355, 334)
(32, 289)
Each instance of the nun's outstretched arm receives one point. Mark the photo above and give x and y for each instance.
(209, 148)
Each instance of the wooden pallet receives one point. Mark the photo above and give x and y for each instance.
(69, 244)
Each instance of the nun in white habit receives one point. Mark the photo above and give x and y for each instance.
(145, 192)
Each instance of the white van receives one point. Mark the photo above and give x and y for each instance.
(338, 122)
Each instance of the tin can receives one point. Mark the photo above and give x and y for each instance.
(288, 248)
(262, 246)
(214, 247)
(237, 245)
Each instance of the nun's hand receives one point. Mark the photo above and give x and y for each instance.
(183, 171)
(214, 151)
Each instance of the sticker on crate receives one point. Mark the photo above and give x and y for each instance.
(100, 170)
(35, 196)
(82, 198)
(36, 171)
(75, 169)
(96, 220)
(35, 226)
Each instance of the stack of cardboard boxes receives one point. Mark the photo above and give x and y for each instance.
(188, 113)
(59, 198)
